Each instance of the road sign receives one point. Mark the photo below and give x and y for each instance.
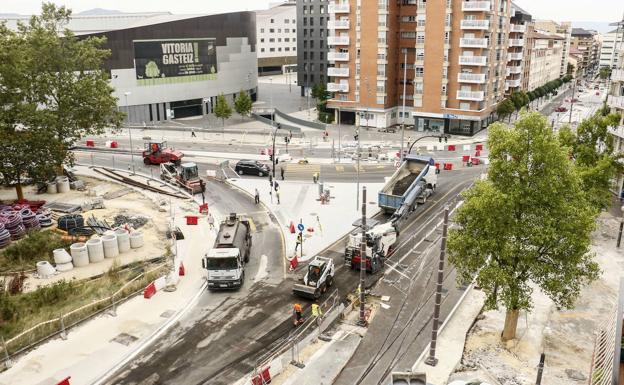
(300, 227)
(450, 116)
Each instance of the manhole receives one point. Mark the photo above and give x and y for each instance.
(167, 314)
(124, 339)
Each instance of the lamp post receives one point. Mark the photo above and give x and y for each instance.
(357, 200)
(130, 130)
(277, 127)
(572, 101)
(619, 239)
(403, 121)
(339, 136)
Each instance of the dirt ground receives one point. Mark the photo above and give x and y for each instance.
(118, 199)
(565, 336)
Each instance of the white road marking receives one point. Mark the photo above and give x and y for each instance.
(262, 269)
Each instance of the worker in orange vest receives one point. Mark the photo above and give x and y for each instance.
(298, 317)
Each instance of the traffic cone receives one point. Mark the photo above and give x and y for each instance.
(292, 227)
(181, 271)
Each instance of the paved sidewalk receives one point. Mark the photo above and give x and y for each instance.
(299, 202)
(94, 348)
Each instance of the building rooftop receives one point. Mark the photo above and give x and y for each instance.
(581, 32)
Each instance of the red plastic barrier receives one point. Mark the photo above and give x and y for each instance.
(291, 227)
(466, 158)
(478, 153)
(294, 262)
(264, 377)
(476, 161)
(437, 165)
(203, 208)
(451, 147)
(191, 220)
(448, 166)
(114, 144)
(90, 143)
(65, 381)
(149, 291)
(181, 271)
(479, 147)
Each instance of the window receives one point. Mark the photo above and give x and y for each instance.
(286, 39)
(322, 55)
(419, 71)
(321, 33)
(381, 70)
(408, 19)
(321, 43)
(408, 34)
(305, 55)
(381, 20)
(305, 33)
(279, 30)
(272, 49)
(305, 21)
(311, 21)
(272, 21)
(312, 32)
(418, 88)
(311, 10)
(321, 67)
(294, 21)
(261, 49)
(305, 44)
(279, 49)
(381, 100)
(262, 40)
(446, 37)
(261, 30)
(286, 30)
(286, 21)
(311, 55)
(305, 9)
(272, 40)
(420, 38)
(271, 30)
(311, 43)
(420, 54)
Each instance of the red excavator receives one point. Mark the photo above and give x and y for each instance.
(158, 153)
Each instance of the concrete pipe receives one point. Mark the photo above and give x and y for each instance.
(45, 269)
(52, 188)
(123, 240)
(79, 254)
(64, 266)
(136, 239)
(62, 184)
(95, 248)
(61, 256)
(111, 249)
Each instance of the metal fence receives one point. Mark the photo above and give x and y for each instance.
(604, 351)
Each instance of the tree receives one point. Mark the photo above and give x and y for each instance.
(222, 109)
(242, 104)
(605, 73)
(528, 224)
(66, 80)
(320, 93)
(505, 109)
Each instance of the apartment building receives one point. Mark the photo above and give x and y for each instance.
(615, 101)
(517, 70)
(312, 34)
(276, 31)
(545, 52)
(563, 29)
(584, 41)
(452, 54)
(608, 57)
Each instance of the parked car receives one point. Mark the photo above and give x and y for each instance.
(251, 167)
(391, 129)
(561, 109)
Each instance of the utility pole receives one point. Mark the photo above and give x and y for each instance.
(339, 136)
(432, 360)
(130, 130)
(572, 101)
(540, 369)
(362, 320)
(404, 87)
(357, 198)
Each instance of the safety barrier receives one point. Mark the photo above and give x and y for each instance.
(301, 122)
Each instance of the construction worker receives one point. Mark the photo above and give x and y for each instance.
(299, 241)
(298, 318)
(317, 314)
(211, 221)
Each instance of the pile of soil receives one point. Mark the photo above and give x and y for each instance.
(402, 185)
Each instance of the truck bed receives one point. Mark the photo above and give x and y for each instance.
(392, 194)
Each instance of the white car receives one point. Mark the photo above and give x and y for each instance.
(282, 158)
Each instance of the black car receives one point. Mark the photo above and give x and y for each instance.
(251, 167)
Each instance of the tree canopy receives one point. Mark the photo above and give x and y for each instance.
(505, 109)
(243, 103)
(528, 224)
(222, 109)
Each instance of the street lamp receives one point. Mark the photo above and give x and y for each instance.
(619, 239)
(357, 131)
(130, 130)
(277, 127)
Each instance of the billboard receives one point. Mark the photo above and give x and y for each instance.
(157, 61)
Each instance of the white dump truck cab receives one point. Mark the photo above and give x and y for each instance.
(225, 268)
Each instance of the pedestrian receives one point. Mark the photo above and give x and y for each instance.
(299, 241)
(193, 133)
(211, 221)
(257, 197)
(298, 318)
(282, 172)
(277, 195)
(276, 185)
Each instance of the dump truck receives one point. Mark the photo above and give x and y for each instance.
(158, 153)
(381, 240)
(412, 183)
(186, 176)
(225, 262)
(318, 278)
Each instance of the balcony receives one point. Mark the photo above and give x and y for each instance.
(475, 24)
(338, 24)
(336, 71)
(517, 28)
(514, 56)
(516, 42)
(473, 43)
(341, 7)
(476, 6)
(464, 77)
(338, 40)
(617, 75)
(513, 83)
(337, 87)
(473, 60)
(514, 69)
(337, 56)
(616, 102)
(476, 96)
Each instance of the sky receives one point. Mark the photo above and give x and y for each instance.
(559, 10)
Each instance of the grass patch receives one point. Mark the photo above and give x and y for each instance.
(22, 311)
(25, 253)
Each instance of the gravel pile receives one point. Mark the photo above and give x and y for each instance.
(135, 221)
(402, 185)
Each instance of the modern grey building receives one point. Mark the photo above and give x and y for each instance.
(312, 17)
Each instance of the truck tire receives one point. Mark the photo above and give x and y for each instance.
(317, 294)
(260, 173)
(323, 288)
(147, 161)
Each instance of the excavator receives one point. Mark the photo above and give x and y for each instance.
(187, 176)
(158, 153)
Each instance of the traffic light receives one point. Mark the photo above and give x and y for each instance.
(271, 157)
(445, 139)
(355, 137)
(440, 139)
(286, 139)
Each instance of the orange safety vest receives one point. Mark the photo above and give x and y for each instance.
(297, 307)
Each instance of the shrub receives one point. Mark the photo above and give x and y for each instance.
(37, 246)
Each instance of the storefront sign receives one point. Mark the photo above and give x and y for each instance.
(163, 59)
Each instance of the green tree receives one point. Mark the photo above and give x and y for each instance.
(66, 80)
(222, 109)
(242, 104)
(528, 224)
(517, 98)
(605, 73)
(320, 93)
(505, 109)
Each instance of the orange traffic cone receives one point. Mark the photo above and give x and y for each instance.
(181, 271)
(292, 227)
